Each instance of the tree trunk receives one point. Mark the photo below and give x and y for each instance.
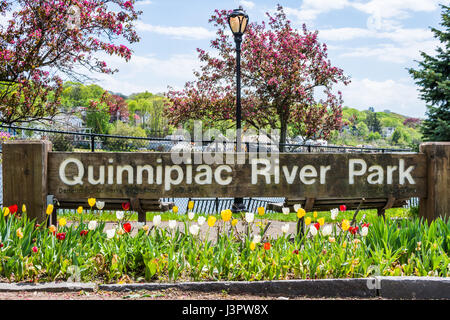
(283, 133)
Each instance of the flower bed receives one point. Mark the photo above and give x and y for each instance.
(85, 251)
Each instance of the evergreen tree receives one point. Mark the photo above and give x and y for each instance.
(372, 121)
(433, 76)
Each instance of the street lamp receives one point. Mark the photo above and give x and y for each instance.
(238, 21)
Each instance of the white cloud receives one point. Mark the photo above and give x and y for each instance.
(149, 73)
(247, 4)
(398, 35)
(392, 53)
(192, 33)
(398, 96)
(144, 2)
(310, 9)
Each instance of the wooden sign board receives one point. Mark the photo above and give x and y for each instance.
(155, 175)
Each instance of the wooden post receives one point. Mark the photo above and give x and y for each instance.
(437, 202)
(25, 176)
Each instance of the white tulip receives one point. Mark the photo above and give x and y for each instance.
(194, 229)
(119, 215)
(110, 233)
(100, 204)
(92, 225)
(364, 231)
(172, 224)
(201, 220)
(297, 206)
(326, 230)
(249, 217)
(191, 215)
(285, 228)
(157, 220)
(257, 238)
(334, 213)
(285, 211)
(313, 230)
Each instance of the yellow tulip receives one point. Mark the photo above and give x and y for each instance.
(211, 221)
(175, 209)
(24, 208)
(50, 208)
(191, 205)
(234, 222)
(91, 202)
(252, 246)
(345, 225)
(344, 245)
(80, 210)
(307, 221)
(321, 221)
(5, 211)
(301, 213)
(52, 228)
(19, 233)
(315, 214)
(226, 215)
(261, 211)
(331, 239)
(62, 222)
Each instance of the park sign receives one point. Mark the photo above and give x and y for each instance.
(150, 175)
(32, 173)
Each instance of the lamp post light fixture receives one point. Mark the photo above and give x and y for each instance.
(238, 21)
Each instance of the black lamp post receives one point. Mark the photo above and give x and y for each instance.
(238, 21)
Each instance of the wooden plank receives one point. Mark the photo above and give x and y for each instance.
(25, 176)
(437, 202)
(331, 178)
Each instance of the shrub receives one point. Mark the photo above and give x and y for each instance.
(61, 142)
(120, 144)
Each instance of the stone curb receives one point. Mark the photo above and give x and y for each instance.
(414, 287)
(48, 287)
(314, 288)
(384, 287)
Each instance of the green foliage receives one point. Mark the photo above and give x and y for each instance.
(408, 247)
(433, 76)
(98, 120)
(61, 142)
(123, 129)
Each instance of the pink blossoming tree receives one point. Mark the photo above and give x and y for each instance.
(281, 69)
(44, 38)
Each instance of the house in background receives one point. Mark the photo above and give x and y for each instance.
(386, 132)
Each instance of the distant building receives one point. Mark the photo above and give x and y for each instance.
(386, 132)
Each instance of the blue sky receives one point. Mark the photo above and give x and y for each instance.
(372, 41)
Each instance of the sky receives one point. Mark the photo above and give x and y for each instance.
(373, 41)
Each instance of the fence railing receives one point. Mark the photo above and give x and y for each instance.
(156, 143)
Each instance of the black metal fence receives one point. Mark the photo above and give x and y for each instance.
(95, 142)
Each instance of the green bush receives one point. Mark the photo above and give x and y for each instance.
(61, 142)
(123, 129)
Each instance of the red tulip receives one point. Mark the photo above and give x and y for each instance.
(317, 225)
(343, 207)
(61, 236)
(13, 209)
(365, 225)
(1, 245)
(295, 252)
(84, 232)
(35, 249)
(126, 206)
(267, 246)
(127, 227)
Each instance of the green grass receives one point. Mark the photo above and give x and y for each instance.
(395, 213)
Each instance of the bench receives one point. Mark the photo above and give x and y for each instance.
(312, 204)
(141, 206)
